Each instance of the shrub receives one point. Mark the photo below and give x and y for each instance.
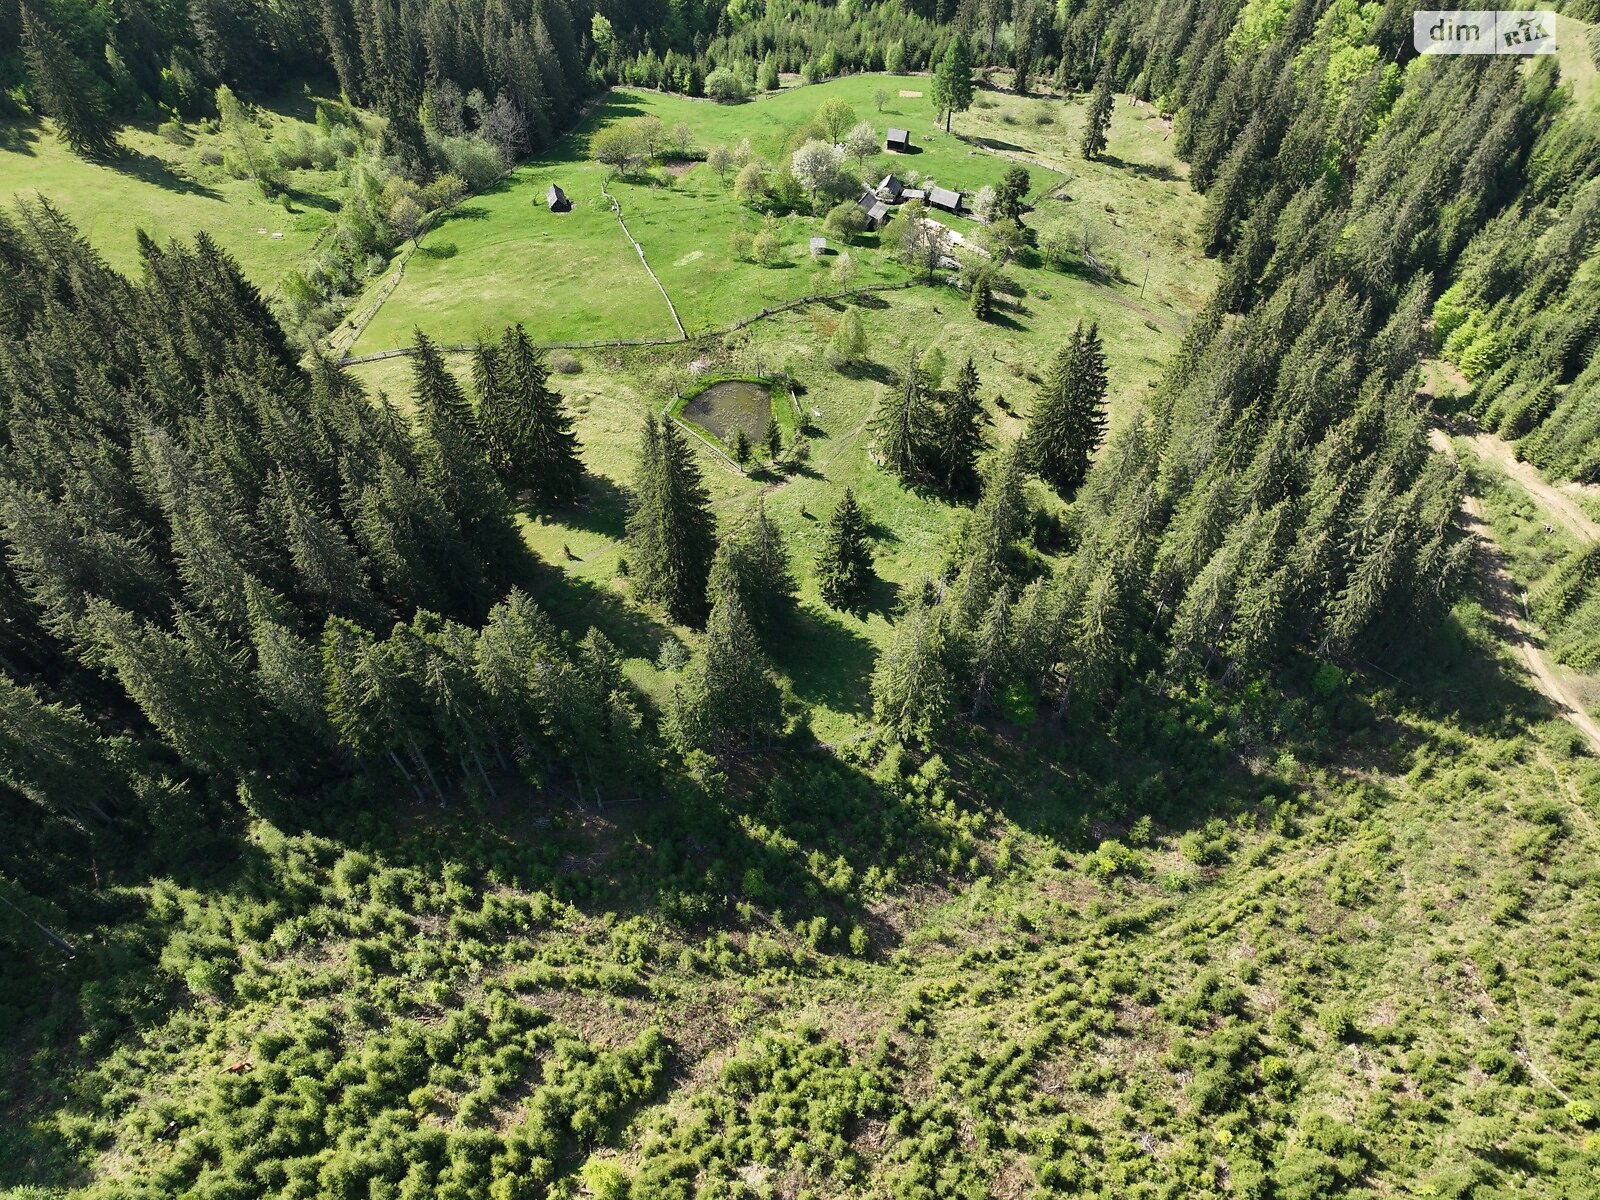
(564, 363)
(725, 86)
(1338, 1021)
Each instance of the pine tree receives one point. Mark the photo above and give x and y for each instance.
(773, 439)
(844, 567)
(67, 89)
(912, 693)
(288, 672)
(1098, 120)
(1068, 419)
(671, 532)
(990, 653)
(982, 302)
(53, 755)
(741, 446)
(990, 536)
(527, 433)
(960, 434)
(726, 697)
(450, 456)
(951, 91)
(752, 563)
(901, 439)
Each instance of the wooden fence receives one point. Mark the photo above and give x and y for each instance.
(602, 343)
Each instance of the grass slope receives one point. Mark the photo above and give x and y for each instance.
(169, 191)
(504, 258)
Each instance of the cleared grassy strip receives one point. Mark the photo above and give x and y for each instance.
(170, 191)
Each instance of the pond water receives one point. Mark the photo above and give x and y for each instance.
(734, 404)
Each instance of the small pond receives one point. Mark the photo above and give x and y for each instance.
(727, 407)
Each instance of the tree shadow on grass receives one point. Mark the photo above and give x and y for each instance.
(601, 509)
(18, 137)
(152, 170)
(1156, 171)
(577, 604)
(435, 251)
(826, 662)
(315, 200)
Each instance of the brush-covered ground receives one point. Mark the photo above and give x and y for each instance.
(1352, 954)
(175, 187)
(502, 256)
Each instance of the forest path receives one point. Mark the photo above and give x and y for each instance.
(1503, 597)
(1557, 502)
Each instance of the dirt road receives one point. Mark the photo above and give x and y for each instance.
(1505, 601)
(1559, 503)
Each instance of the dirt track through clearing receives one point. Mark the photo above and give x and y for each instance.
(1503, 596)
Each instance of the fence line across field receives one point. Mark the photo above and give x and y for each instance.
(605, 343)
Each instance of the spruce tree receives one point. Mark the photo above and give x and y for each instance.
(527, 433)
(450, 454)
(982, 302)
(1098, 121)
(901, 426)
(671, 532)
(751, 562)
(726, 697)
(951, 91)
(989, 655)
(773, 439)
(66, 88)
(960, 433)
(1068, 418)
(844, 568)
(912, 692)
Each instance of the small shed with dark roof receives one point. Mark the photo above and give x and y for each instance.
(944, 198)
(877, 211)
(890, 188)
(557, 200)
(897, 139)
(819, 247)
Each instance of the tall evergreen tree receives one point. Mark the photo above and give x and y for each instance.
(1098, 119)
(960, 433)
(726, 697)
(751, 562)
(1068, 418)
(951, 91)
(913, 695)
(671, 532)
(844, 567)
(901, 428)
(66, 88)
(527, 433)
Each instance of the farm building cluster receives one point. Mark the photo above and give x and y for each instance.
(893, 190)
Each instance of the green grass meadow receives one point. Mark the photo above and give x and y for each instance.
(170, 191)
(504, 257)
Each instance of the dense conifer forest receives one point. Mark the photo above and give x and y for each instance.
(1196, 832)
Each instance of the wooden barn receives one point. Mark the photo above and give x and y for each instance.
(898, 140)
(877, 211)
(557, 200)
(945, 198)
(891, 188)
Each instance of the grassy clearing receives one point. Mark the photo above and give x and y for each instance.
(170, 191)
(503, 257)
(827, 656)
